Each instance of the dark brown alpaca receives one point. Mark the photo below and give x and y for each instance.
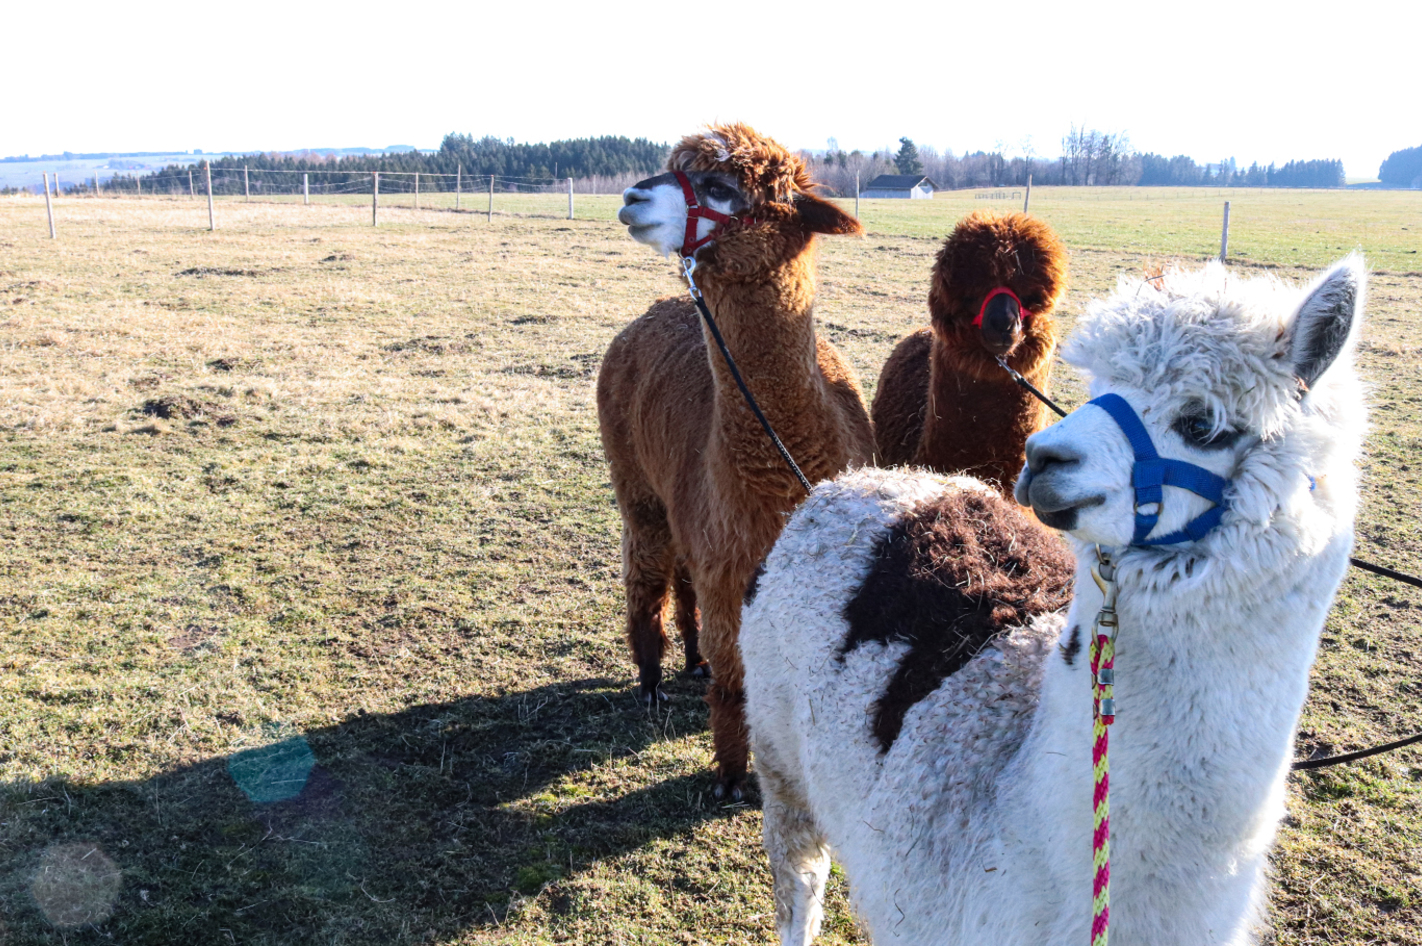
(702, 492)
(943, 400)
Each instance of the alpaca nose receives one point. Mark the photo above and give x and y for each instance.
(1040, 456)
(635, 194)
(1002, 324)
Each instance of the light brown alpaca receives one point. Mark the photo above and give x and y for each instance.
(943, 401)
(699, 485)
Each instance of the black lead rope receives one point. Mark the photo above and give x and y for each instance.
(1385, 572)
(1355, 562)
(687, 265)
(1355, 756)
(1016, 376)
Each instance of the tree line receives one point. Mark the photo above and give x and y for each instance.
(1402, 168)
(1087, 157)
(519, 164)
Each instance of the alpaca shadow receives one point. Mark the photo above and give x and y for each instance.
(414, 825)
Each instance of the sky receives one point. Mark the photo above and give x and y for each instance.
(1249, 80)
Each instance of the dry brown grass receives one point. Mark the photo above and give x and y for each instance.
(303, 492)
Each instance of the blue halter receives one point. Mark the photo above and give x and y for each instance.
(1152, 472)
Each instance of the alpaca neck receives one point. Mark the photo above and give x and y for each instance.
(978, 419)
(1211, 672)
(768, 326)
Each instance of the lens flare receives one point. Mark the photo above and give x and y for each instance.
(273, 773)
(76, 884)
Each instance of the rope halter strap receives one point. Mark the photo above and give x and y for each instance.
(694, 212)
(1152, 472)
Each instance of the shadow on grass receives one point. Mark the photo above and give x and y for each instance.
(379, 829)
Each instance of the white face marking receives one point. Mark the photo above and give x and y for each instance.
(656, 215)
(1090, 472)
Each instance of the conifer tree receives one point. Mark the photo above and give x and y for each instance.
(907, 159)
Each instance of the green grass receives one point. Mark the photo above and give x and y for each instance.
(310, 611)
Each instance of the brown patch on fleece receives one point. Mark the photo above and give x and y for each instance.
(970, 416)
(947, 579)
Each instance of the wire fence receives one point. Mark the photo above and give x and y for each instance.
(485, 194)
(250, 182)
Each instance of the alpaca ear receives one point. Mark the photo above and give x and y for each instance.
(1328, 320)
(820, 216)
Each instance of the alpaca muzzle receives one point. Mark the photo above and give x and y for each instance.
(1000, 321)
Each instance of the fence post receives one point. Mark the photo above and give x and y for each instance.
(96, 183)
(375, 198)
(138, 184)
(48, 209)
(417, 190)
(1028, 198)
(570, 198)
(207, 175)
(490, 215)
(856, 195)
(305, 188)
(1224, 235)
(458, 174)
(192, 191)
(246, 184)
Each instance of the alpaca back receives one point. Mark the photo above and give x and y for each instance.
(813, 697)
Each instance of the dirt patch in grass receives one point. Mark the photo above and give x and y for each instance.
(436, 345)
(181, 407)
(201, 271)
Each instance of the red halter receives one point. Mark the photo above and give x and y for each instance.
(694, 212)
(1001, 291)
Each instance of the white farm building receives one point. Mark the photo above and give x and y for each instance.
(912, 186)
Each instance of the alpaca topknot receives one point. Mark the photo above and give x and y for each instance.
(1208, 333)
(988, 249)
(764, 168)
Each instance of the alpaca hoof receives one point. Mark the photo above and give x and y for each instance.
(651, 697)
(731, 792)
(702, 670)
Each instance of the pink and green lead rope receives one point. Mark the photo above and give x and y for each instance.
(1103, 658)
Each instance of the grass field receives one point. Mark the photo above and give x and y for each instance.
(309, 599)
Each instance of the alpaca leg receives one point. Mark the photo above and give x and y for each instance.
(799, 862)
(647, 565)
(688, 620)
(721, 626)
(729, 734)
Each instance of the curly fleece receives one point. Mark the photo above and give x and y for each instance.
(764, 168)
(975, 825)
(943, 401)
(697, 481)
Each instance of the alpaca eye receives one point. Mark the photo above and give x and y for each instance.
(1197, 428)
(719, 192)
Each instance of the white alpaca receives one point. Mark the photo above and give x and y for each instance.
(974, 824)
